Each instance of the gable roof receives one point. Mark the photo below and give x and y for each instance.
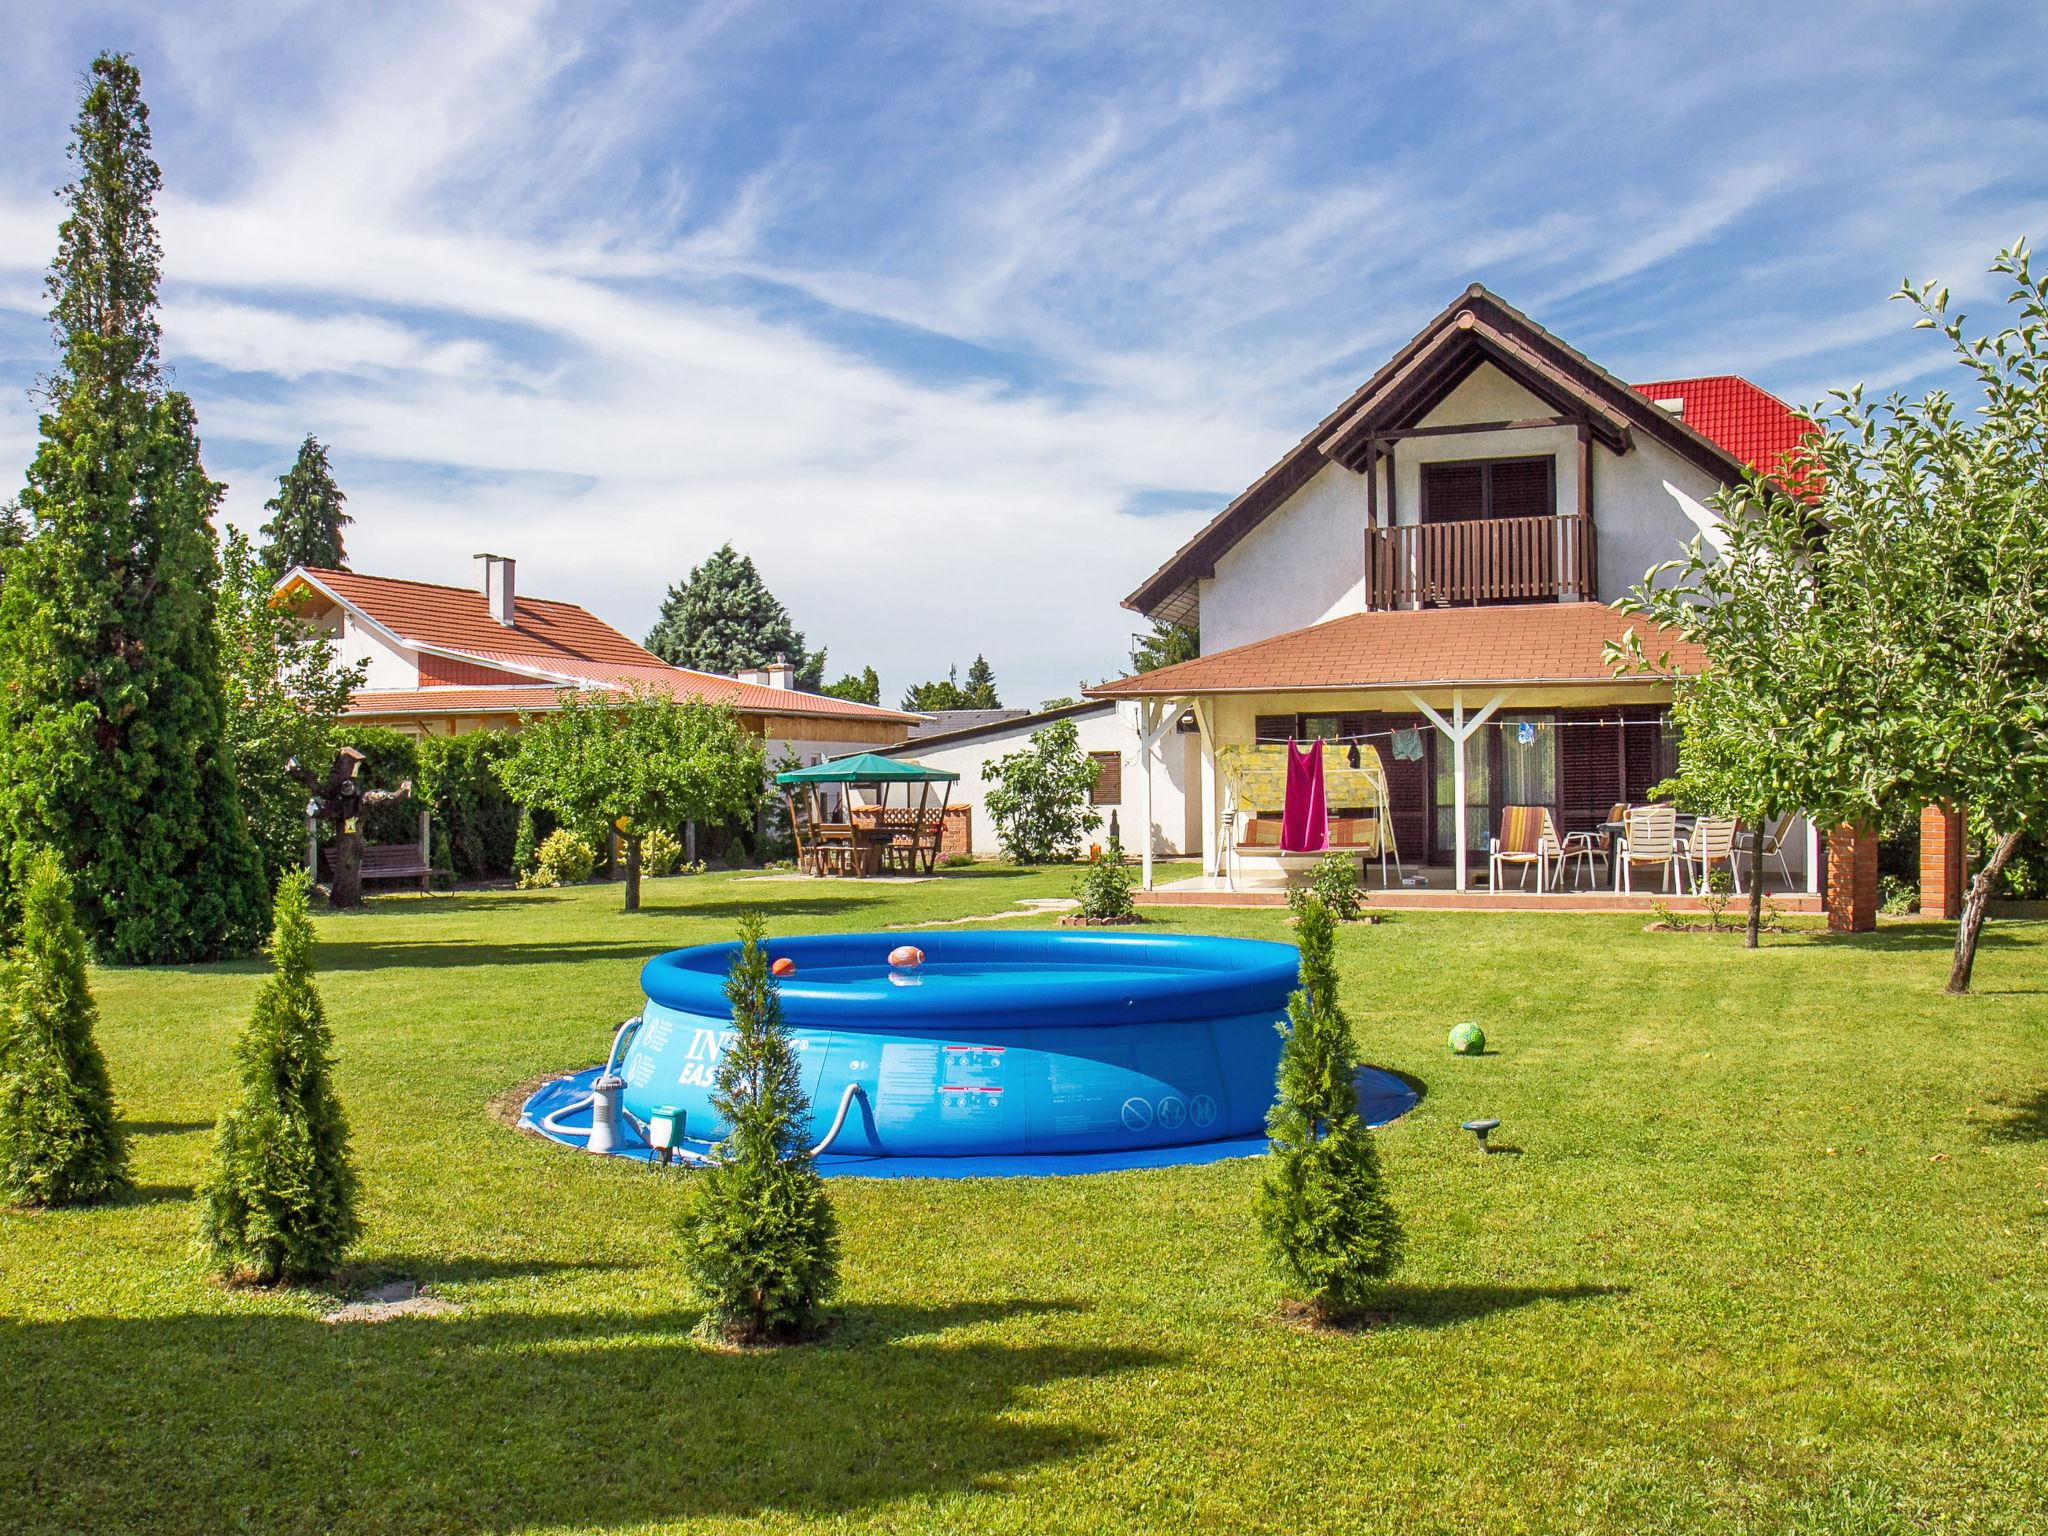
(551, 643)
(1477, 327)
(1532, 645)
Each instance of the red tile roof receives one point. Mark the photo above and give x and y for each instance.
(550, 642)
(1534, 644)
(1752, 424)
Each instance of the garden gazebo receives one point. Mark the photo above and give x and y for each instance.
(869, 839)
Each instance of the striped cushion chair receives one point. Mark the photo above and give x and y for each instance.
(1527, 836)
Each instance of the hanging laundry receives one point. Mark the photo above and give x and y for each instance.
(1408, 745)
(1305, 817)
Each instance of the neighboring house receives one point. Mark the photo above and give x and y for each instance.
(1432, 564)
(1106, 735)
(444, 660)
(944, 722)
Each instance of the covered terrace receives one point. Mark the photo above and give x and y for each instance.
(1470, 712)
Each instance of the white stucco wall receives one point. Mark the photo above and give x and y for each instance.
(1101, 730)
(1306, 562)
(356, 644)
(1302, 565)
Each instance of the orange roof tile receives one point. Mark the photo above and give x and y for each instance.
(1532, 644)
(549, 641)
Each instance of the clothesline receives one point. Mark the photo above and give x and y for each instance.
(1388, 735)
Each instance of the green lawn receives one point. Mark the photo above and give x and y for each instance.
(1773, 1257)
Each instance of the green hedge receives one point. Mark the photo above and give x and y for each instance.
(475, 821)
(470, 805)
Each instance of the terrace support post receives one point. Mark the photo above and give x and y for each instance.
(1944, 865)
(1852, 878)
(1155, 716)
(1459, 730)
(1813, 865)
(1212, 790)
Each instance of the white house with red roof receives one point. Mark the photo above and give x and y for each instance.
(1426, 576)
(443, 660)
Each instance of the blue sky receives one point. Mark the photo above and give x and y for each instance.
(960, 318)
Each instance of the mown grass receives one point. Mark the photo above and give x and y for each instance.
(1771, 1255)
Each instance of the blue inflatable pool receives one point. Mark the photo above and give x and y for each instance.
(998, 1044)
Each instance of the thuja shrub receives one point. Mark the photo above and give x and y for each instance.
(60, 1143)
(759, 1237)
(1322, 1207)
(279, 1200)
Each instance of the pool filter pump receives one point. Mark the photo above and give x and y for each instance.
(604, 1113)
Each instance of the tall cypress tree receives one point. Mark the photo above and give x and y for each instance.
(59, 1141)
(111, 747)
(305, 515)
(723, 618)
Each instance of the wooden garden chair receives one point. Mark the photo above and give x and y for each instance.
(1712, 842)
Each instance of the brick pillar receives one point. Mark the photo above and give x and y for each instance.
(1944, 867)
(1852, 879)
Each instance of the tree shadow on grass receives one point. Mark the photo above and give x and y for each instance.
(153, 1194)
(427, 954)
(503, 1421)
(1425, 1307)
(164, 1127)
(2024, 1119)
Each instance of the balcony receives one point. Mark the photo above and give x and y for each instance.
(1480, 560)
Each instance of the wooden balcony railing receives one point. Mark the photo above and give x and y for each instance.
(1484, 560)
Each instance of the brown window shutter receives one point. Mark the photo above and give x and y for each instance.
(1453, 493)
(1109, 779)
(1523, 488)
(1273, 727)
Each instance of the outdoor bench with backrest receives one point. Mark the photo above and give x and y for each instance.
(388, 861)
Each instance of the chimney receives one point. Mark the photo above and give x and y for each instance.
(494, 578)
(758, 676)
(781, 674)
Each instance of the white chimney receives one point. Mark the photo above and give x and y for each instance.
(758, 676)
(781, 674)
(494, 579)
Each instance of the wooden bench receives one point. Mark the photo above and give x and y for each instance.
(388, 861)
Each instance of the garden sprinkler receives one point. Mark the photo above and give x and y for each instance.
(1482, 1129)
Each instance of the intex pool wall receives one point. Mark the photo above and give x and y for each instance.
(999, 1043)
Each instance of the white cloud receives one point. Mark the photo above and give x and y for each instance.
(529, 269)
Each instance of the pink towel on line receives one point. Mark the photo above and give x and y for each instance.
(1305, 818)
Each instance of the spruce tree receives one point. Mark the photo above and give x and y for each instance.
(759, 1236)
(723, 618)
(305, 515)
(279, 1201)
(979, 692)
(111, 717)
(59, 1141)
(1322, 1206)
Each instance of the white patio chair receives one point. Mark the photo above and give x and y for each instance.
(1649, 836)
(1773, 838)
(1712, 842)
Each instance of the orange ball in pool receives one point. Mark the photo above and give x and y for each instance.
(783, 967)
(906, 957)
